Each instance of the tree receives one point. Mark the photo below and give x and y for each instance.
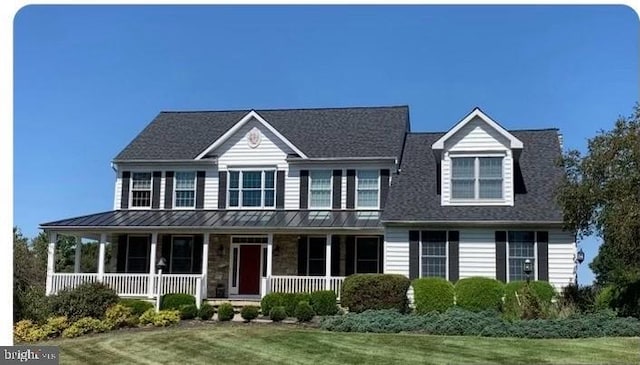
(601, 195)
(28, 280)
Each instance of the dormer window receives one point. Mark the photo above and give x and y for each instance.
(476, 178)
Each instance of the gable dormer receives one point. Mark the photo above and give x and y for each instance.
(477, 161)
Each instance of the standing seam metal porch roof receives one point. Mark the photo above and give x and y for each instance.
(221, 219)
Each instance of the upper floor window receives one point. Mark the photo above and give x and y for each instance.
(367, 188)
(252, 188)
(185, 187)
(521, 247)
(141, 189)
(476, 178)
(320, 189)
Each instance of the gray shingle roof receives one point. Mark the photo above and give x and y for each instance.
(413, 195)
(338, 132)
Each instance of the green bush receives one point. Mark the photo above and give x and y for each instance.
(432, 294)
(324, 302)
(54, 326)
(83, 326)
(147, 317)
(28, 331)
(479, 293)
(188, 311)
(176, 300)
(166, 318)
(137, 306)
(527, 304)
(375, 291)
(581, 297)
(225, 312)
(86, 300)
(271, 300)
(277, 313)
(604, 298)
(304, 311)
(118, 316)
(34, 305)
(206, 312)
(626, 300)
(249, 312)
(290, 302)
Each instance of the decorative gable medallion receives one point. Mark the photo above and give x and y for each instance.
(254, 137)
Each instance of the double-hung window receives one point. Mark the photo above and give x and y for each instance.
(476, 178)
(181, 255)
(320, 189)
(185, 186)
(367, 255)
(316, 256)
(367, 189)
(252, 188)
(137, 254)
(141, 189)
(521, 247)
(434, 254)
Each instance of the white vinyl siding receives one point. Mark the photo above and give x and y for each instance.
(396, 251)
(562, 250)
(476, 135)
(477, 253)
(211, 189)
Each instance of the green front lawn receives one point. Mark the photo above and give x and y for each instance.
(236, 343)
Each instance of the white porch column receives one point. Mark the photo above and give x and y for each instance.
(51, 261)
(327, 261)
(76, 267)
(152, 264)
(205, 264)
(269, 263)
(103, 242)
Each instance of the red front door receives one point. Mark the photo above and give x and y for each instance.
(249, 269)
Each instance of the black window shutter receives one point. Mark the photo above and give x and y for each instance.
(222, 190)
(543, 255)
(280, 189)
(168, 190)
(200, 177)
(304, 189)
(414, 254)
(337, 189)
(166, 250)
(302, 256)
(384, 187)
(121, 262)
(335, 255)
(380, 254)
(501, 256)
(155, 190)
(439, 177)
(454, 256)
(351, 189)
(197, 254)
(124, 193)
(350, 256)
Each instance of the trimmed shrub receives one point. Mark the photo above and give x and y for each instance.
(225, 312)
(432, 294)
(290, 302)
(83, 326)
(277, 313)
(271, 300)
(166, 318)
(118, 316)
(34, 305)
(176, 300)
(86, 300)
(249, 312)
(304, 312)
(27, 331)
(147, 317)
(55, 325)
(604, 299)
(188, 311)
(479, 293)
(206, 312)
(137, 306)
(324, 302)
(361, 292)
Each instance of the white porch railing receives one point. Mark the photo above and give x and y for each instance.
(304, 284)
(128, 284)
(60, 281)
(180, 283)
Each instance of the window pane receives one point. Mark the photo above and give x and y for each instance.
(268, 179)
(181, 254)
(185, 180)
(462, 189)
(521, 248)
(367, 248)
(320, 180)
(252, 179)
(185, 198)
(251, 198)
(367, 179)
(320, 199)
(367, 198)
(269, 200)
(141, 198)
(463, 168)
(234, 179)
(138, 246)
(316, 267)
(233, 198)
(367, 267)
(490, 167)
(490, 189)
(317, 247)
(141, 180)
(137, 265)
(516, 269)
(434, 266)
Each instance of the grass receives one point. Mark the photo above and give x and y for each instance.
(289, 344)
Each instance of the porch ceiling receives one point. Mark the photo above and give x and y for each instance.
(221, 219)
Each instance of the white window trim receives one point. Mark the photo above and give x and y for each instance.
(193, 249)
(330, 206)
(233, 290)
(356, 190)
(131, 190)
(535, 253)
(355, 254)
(126, 261)
(262, 188)
(195, 188)
(476, 183)
(446, 252)
(309, 250)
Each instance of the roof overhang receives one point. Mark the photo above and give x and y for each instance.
(470, 223)
(514, 143)
(342, 160)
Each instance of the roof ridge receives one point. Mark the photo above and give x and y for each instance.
(286, 109)
(509, 130)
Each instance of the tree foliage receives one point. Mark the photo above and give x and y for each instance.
(601, 195)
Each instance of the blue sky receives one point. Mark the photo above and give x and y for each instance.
(89, 78)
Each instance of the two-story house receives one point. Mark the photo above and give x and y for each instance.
(241, 203)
